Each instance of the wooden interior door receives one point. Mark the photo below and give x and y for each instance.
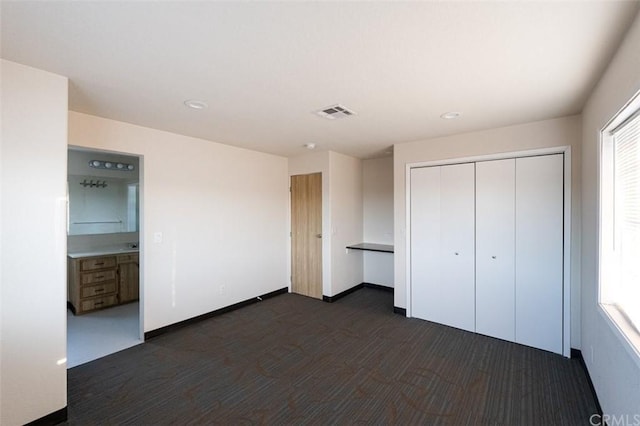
(306, 235)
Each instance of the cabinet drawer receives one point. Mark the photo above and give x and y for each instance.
(97, 277)
(127, 258)
(98, 290)
(97, 263)
(98, 303)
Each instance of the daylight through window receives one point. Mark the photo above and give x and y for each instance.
(620, 212)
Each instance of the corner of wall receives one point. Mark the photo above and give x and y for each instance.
(34, 136)
(615, 374)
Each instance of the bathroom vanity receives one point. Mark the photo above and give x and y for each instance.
(100, 279)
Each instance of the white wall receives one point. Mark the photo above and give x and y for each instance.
(346, 221)
(614, 372)
(222, 212)
(377, 190)
(33, 244)
(377, 177)
(543, 134)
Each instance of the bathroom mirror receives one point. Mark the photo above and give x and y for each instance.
(103, 193)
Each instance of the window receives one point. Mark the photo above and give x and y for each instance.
(620, 224)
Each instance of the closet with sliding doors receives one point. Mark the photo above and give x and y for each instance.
(487, 247)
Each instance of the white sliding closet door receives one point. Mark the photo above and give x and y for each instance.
(442, 245)
(539, 251)
(495, 241)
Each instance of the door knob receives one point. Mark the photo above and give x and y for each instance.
(456, 253)
(493, 257)
(318, 235)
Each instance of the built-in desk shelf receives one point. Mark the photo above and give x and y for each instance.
(384, 248)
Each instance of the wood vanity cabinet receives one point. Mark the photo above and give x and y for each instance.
(92, 283)
(99, 282)
(128, 278)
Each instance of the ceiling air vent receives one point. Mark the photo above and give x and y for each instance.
(334, 112)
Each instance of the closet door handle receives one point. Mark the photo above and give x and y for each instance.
(456, 253)
(493, 257)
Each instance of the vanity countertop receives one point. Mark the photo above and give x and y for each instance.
(103, 251)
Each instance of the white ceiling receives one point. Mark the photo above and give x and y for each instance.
(265, 67)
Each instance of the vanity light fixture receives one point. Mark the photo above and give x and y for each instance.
(196, 104)
(109, 165)
(452, 115)
(97, 184)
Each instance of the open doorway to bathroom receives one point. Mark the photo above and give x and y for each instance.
(103, 254)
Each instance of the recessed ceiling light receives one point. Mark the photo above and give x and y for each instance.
(196, 104)
(310, 145)
(452, 115)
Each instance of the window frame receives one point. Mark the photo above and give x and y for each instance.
(614, 317)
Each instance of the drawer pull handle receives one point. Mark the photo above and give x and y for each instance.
(101, 276)
(98, 303)
(99, 264)
(98, 290)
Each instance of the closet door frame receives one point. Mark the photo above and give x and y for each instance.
(566, 261)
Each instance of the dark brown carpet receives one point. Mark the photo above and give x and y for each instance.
(295, 360)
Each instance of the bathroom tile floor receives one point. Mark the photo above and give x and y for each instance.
(97, 334)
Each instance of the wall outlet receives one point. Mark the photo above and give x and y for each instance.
(157, 237)
(221, 289)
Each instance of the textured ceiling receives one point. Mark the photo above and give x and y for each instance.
(265, 67)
